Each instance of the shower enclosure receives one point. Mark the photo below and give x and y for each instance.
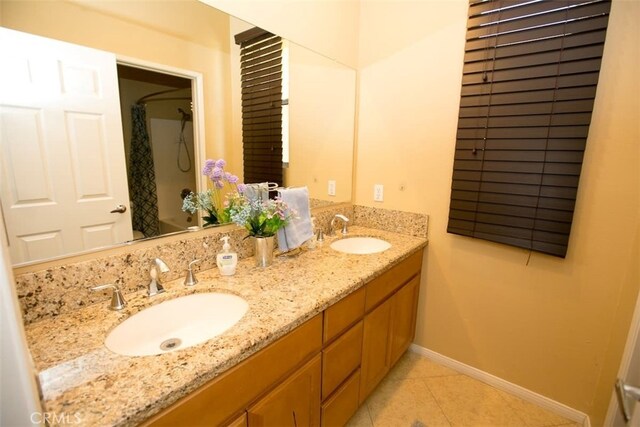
(159, 147)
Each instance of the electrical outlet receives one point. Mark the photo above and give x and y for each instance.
(332, 188)
(378, 192)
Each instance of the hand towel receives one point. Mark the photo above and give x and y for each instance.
(299, 229)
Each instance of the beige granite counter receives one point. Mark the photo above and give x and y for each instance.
(85, 382)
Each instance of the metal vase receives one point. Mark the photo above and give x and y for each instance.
(264, 251)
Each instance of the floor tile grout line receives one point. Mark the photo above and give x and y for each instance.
(424, 380)
(366, 406)
(509, 405)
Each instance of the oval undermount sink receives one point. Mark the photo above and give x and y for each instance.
(360, 245)
(176, 324)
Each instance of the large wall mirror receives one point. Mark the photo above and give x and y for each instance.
(180, 60)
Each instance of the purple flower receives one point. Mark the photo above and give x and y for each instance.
(220, 163)
(231, 178)
(216, 174)
(242, 188)
(219, 184)
(209, 164)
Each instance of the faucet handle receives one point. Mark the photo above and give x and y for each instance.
(191, 280)
(117, 299)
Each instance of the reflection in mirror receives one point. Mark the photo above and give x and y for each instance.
(159, 149)
(184, 36)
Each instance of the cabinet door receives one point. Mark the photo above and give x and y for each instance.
(375, 348)
(403, 318)
(295, 402)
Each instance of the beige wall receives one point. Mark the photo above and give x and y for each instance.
(554, 326)
(182, 34)
(328, 27)
(321, 130)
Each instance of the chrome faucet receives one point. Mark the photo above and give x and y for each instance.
(117, 300)
(155, 287)
(332, 225)
(191, 280)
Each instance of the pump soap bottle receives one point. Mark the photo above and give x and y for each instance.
(227, 261)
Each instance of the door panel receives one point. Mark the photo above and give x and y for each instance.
(626, 404)
(62, 158)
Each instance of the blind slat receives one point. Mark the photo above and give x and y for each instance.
(529, 80)
(556, 18)
(570, 106)
(261, 83)
(522, 37)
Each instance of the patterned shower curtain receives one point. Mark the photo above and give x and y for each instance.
(142, 177)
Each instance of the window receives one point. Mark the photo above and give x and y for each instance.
(529, 82)
(262, 105)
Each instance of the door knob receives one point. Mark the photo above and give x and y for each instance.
(119, 209)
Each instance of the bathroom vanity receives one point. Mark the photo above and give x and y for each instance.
(322, 330)
(320, 372)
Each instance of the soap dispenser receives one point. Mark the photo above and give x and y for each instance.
(227, 261)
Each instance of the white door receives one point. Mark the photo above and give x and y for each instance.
(624, 410)
(62, 161)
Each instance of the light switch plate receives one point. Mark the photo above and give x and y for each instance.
(332, 188)
(378, 193)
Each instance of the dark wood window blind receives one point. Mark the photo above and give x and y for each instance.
(528, 86)
(261, 77)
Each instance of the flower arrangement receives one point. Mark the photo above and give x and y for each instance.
(210, 201)
(261, 218)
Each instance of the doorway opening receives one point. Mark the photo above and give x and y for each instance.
(157, 123)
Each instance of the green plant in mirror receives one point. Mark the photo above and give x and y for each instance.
(211, 201)
(261, 218)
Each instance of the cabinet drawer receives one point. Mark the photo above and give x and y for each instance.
(340, 359)
(231, 392)
(383, 286)
(343, 404)
(343, 314)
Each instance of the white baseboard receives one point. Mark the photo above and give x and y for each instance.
(516, 390)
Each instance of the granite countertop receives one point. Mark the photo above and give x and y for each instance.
(84, 381)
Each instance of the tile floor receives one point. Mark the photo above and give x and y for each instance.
(419, 393)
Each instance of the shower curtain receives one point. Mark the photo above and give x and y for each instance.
(142, 177)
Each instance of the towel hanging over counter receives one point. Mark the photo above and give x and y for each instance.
(299, 229)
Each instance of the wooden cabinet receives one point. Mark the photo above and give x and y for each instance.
(375, 348)
(228, 396)
(241, 421)
(390, 327)
(319, 373)
(341, 406)
(341, 359)
(404, 306)
(343, 314)
(295, 402)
